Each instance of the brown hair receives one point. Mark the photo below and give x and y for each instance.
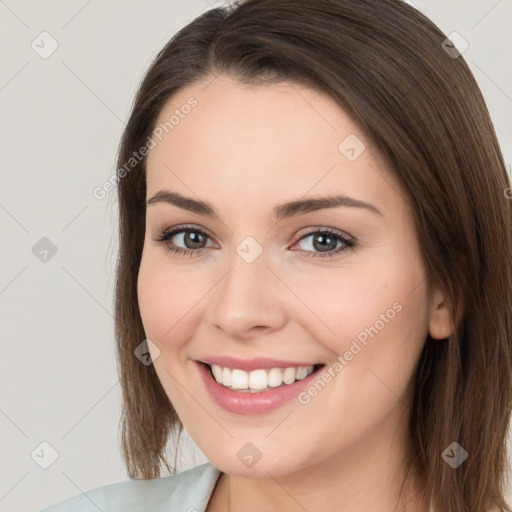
(383, 62)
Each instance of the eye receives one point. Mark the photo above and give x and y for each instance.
(326, 242)
(323, 243)
(193, 238)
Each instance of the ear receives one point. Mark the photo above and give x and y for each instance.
(440, 324)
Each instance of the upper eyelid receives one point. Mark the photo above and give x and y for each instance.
(178, 229)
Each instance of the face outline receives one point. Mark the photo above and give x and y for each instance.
(266, 145)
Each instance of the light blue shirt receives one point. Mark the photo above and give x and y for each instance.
(188, 491)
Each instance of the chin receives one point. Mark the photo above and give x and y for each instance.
(264, 467)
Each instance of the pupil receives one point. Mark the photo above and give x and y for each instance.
(323, 247)
(194, 238)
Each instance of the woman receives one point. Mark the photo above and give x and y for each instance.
(314, 275)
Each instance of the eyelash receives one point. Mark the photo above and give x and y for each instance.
(165, 237)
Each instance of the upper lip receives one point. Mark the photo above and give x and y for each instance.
(252, 364)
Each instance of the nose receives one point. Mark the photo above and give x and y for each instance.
(249, 300)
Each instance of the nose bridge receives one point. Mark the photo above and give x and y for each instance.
(248, 295)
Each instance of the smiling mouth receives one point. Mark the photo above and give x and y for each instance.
(259, 380)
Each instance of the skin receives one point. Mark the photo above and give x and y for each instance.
(245, 149)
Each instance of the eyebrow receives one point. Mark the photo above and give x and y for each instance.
(282, 211)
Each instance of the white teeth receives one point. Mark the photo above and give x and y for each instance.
(289, 375)
(239, 379)
(259, 379)
(302, 373)
(226, 376)
(217, 372)
(274, 378)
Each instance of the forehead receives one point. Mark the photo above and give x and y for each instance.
(277, 117)
(262, 142)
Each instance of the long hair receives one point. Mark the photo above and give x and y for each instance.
(385, 64)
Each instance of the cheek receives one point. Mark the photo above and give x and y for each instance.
(385, 306)
(169, 300)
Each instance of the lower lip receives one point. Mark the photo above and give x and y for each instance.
(240, 402)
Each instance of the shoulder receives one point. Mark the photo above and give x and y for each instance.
(189, 490)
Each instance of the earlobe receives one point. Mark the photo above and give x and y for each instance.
(440, 325)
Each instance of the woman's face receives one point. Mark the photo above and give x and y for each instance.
(262, 287)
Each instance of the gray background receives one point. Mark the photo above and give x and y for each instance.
(60, 123)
